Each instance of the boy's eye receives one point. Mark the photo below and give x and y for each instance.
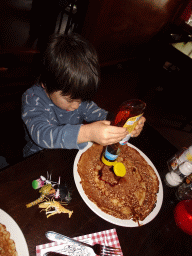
(68, 100)
(71, 101)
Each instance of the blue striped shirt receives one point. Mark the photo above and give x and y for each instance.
(48, 126)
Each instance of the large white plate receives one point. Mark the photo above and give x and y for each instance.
(15, 233)
(107, 217)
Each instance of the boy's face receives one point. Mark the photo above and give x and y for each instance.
(64, 102)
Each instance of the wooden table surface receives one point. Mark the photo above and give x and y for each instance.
(159, 237)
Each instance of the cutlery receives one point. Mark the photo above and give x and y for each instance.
(52, 254)
(99, 249)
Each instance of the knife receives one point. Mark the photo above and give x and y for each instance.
(69, 243)
(52, 254)
(53, 236)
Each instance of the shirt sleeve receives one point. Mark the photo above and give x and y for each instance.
(94, 113)
(45, 133)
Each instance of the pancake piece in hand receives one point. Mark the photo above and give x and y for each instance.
(133, 196)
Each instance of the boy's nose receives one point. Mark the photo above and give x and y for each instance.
(75, 105)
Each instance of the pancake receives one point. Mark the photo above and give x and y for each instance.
(133, 196)
(7, 245)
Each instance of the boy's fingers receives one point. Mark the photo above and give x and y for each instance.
(106, 122)
(142, 120)
(117, 130)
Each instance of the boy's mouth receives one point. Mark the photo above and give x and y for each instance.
(69, 110)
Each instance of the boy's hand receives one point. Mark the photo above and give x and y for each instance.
(105, 134)
(139, 127)
(102, 133)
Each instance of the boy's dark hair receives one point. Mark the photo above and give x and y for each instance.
(70, 64)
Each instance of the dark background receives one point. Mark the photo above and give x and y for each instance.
(133, 40)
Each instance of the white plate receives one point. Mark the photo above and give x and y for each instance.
(107, 217)
(15, 233)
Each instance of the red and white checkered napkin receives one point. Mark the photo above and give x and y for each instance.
(107, 237)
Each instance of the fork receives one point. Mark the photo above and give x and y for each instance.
(103, 253)
(104, 250)
(99, 249)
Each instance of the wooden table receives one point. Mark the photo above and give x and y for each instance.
(159, 237)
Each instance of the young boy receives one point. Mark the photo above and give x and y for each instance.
(54, 109)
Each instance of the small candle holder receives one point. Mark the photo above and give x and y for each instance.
(184, 191)
(183, 216)
(174, 161)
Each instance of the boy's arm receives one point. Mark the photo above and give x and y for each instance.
(45, 131)
(93, 113)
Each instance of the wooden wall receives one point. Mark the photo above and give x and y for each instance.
(118, 28)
